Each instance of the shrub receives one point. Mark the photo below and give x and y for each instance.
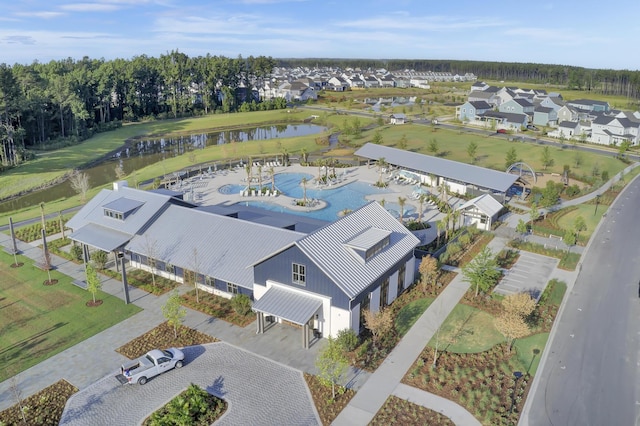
(241, 303)
(99, 258)
(347, 339)
(76, 252)
(572, 190)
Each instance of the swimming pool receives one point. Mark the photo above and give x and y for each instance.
(350, 196)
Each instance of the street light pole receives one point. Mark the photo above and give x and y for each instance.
(597, 202)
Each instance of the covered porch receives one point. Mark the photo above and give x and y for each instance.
(289, 307)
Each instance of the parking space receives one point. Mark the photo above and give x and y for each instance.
(529, 274)
(258, 391)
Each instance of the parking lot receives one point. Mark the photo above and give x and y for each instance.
(258, 391)
(529, 274)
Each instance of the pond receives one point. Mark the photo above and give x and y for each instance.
(351, 196)
(142, 153)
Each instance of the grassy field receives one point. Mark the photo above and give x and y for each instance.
(467, 330)
(409, 314)
(50, 166)
(529, 351)
(40, 321)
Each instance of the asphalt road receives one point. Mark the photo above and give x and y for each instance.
(591, 375)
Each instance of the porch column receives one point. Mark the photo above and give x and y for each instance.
(305, 336)
(125, 285)
(260, 322)
(115, 260)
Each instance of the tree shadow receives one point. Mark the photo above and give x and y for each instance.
(216, 388)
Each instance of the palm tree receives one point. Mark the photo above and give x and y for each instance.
(304, 190)
(440, 228)
(446, 220)
(304, 155)
(422, 199)
(382, 163)
(260, 177)
(455, 216)
(401, 201)
(272, 173)
(444, 189)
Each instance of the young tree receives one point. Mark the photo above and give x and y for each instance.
(428, 273)
(511, 157)
(379, 323)
(569, 237)
(382, 164)
(546, 158)
(99, 258)
(80, 184)
(422, 199)
(119, 171)
(577, 159)
(196, 269)
(331, 364)
(534, 213)
(433, 147)
(402, 143)
(521, 228)
(550, 195)
(377, 138)
(439, 227)
(512, 323)
(472, 151)
(93, 282)
(173, 312)
(579, 225)
(482, 272)
(151, 247)
(61, 224)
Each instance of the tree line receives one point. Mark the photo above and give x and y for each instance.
(42, 104)
(601, 81)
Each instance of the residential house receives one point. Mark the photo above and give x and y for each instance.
(386, 80)
(397, 118)
(507, 120)
(517, 106)
(337, 84)
(568, 130)
(567, 113)
(544, 116)
(589, 105)
(329, 278)
(486, 96)
(611, 130)
(471, 110)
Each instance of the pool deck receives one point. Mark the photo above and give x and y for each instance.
(206, 189)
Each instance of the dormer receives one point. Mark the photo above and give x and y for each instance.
(121, 208)
(368, 243)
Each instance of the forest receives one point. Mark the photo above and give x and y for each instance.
(46, 106)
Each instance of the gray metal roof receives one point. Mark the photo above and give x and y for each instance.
(367, 238)
(290, 305)
(485, 203)
(479, 176)
(225, 246)
(326, 248)
(93, 211)
(100, 237)
(123, 205)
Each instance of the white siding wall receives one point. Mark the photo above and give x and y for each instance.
(410, 273)
(375, 300)
(456, 187)
(355, 318)
(393, 287)
(339, 320)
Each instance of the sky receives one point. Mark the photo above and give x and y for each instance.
(588, 33)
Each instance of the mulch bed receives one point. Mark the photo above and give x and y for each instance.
(17, 265)
(327, 410)
(482, 382)
(163, 337)
(398, 411)
(93, 304)
(216, 306)
(45, 406)
(50, 282)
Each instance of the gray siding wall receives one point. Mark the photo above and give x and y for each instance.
(278, 268)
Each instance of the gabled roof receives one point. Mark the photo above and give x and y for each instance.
(326, 248)
(461, 172)
(543, 110)
(480, 104)
(477, 94)
(149, 204)
(569, 124)
(399, 115)
(293, 306)
(510, 117)
(485, 203)
(226, 246)
(523, 102)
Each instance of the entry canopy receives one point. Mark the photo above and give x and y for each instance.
(288, 305)
(100, 237)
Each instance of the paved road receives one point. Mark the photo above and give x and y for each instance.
(259, 391)
(591, 373)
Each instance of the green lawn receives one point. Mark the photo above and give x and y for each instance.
(410, 313)
(467, 330)
(529, 351)
(588, 213)
(38, 321)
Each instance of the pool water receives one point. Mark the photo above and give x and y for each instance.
(350, 196)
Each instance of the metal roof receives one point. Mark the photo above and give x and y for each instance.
(326, 248)
(225, 246)
(93, 211)
(479, 176)
(100, 237)
(485, 203)
(290, 305)
(123, 205)
(367, 238)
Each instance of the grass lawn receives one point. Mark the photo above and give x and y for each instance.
(39, 321)
(467, 330)
(410, 313)
(529, 351)
(587, 212)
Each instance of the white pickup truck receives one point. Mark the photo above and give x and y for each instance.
(151, 364)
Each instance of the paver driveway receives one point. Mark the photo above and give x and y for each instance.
(258, 391)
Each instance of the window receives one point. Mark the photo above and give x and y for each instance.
(377, 248)
(299, 274)
(232, 288)
(384, 293)
(401, 273)
(210, 281)
(364, 307)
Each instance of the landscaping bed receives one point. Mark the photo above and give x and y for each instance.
(34, 232)
(162, 337)
(42, 408)
(483, 383)
(402, 412)
(144, 281)
(328, 409)
(194, 407)
(216, 306)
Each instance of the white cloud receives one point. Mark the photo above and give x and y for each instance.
(89, 7)
(43, 14)
(425, 23)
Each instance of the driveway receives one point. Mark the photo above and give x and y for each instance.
(529, 274)
(258, 391)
